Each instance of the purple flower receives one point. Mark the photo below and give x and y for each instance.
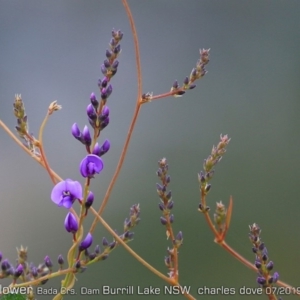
(66, 192)
(71, 223)
(86, 243)
(90, 165)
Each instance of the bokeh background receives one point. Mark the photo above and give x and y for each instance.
(53, 50)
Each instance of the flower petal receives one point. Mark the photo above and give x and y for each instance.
(56, 194)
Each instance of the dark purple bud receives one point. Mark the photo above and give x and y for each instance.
(275, 277)
(117, 34)
(254, 249)
(201, 177)
(104, 148)
(108, 54)
(34, 272)
(105, 112)
(71, 223)
(18, 271)
(104, 242)
(97, 249)
(180, 93)
(264, 257)
(200, 206)
(117, 49)
(48, 262)
(127, 224)
(163, 220)
(258, 264)
(90, 110)
(178, 240)
(104, 256)
(79, 268)
(161, 206)
(10, 271)
(104, 82)
(113, 42)
(192, 86)
(93, 99)
(168, 178)
(89, 200)
(112, 245)
(261, 280)
(171, 218)
(129, 235)
(96, 149)
(92, 123)
(186, 80)
(86, 243)
(175, 84)
(104, 123)
(91, 165)
(167, 261)
(159, 187)
(169, 195)
(92, 256)
(115, 64)
(103, 70)
(5, 265)
(194, 72)
(75, 131)
(0, 256)
(106, 63)
(261, 246)
(60, 260)
(270, 265)
(265, 251)
(170, 205)
(159, 172)
(207, 188)
(86, 136)
(105, 92)
(210, 174)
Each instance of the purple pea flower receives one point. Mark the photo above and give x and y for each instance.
(90, 165)
(66, 192)
(71, 223)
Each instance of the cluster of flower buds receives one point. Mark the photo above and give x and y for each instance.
(262, 262)
(23, 127)
(166, 202)
(98, 115)
(220, 216)
(19, 112)
(165, 205)
(26, 271)
(198, 72)
(131, 222)
(205, 176)
(97, 111)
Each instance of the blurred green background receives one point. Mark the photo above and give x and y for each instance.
(53, 50)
